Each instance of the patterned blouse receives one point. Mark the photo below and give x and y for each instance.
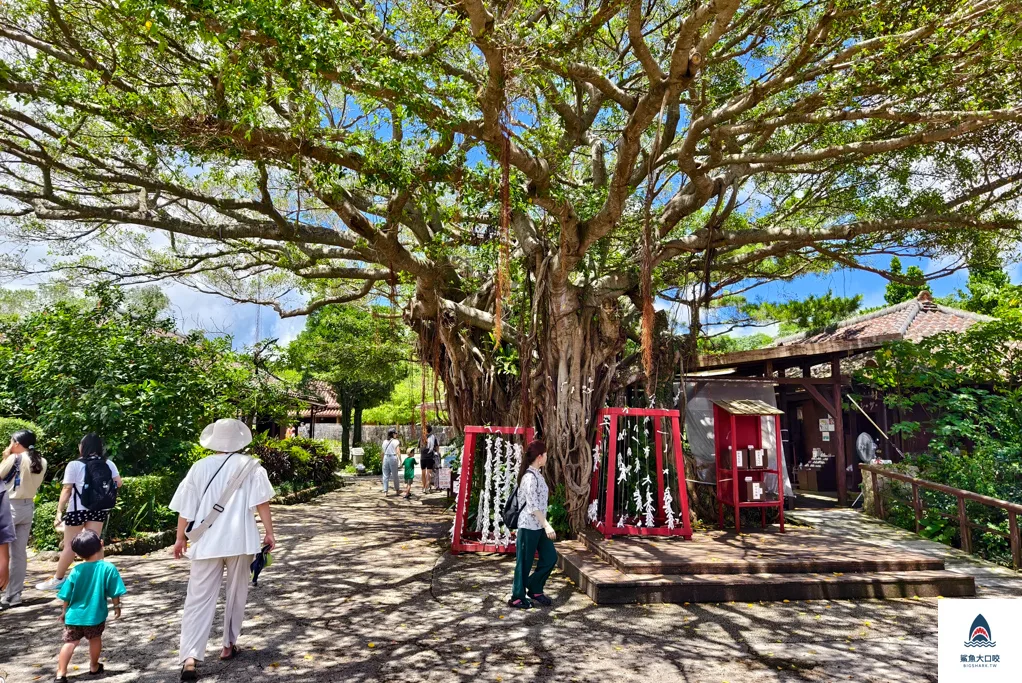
(532, 494)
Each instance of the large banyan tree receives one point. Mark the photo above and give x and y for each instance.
(524, 180)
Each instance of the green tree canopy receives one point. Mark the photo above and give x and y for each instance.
(128, 376)
(907, 287)
(812, 313)
(361, 352)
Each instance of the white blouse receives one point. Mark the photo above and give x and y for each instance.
(533, 494)
(235, 531)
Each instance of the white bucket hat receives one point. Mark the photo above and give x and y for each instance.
(226, 436)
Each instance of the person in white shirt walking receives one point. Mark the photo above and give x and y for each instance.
(391, 466)
(88, 494)
(229, 537)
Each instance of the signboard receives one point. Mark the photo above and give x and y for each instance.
(444, 478)
(827, 424)
(826, 436)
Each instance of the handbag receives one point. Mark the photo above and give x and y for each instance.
(194, 533)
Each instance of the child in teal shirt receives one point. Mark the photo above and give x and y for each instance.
(409, 465)
(88, 587)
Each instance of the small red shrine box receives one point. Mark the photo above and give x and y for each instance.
(741, 481)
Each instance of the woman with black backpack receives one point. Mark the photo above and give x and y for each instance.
(89, 493)
(534, 532)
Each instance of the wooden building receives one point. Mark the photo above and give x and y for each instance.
(811, 375)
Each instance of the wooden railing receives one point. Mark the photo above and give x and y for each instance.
(965, 526)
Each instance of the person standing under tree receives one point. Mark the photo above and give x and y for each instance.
(215, 504)
(391, 454)
(534, 532)
(22, 469)
(428, 460)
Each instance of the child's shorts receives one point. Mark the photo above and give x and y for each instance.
(73, 634)
(409, 479)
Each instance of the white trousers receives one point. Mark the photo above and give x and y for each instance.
(390, 472)
(200, 604)
(21, 512)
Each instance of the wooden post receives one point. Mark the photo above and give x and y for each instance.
(839, 433)
(464, 480)
(878, 501)
(1016, 542)
(915, 504)
(734, 474)
(608, 516)
(658, 444)
(963, 523)
(884, 425)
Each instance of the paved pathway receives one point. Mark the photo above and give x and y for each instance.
(361, 591)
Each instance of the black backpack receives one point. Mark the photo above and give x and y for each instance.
(509, 515)
(98, 492)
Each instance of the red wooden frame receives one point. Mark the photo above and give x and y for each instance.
(725, 434)
(609, 527)
(463, 541)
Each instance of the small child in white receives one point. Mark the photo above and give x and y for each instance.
(85, 594)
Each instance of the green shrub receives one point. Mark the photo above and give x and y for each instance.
(9, 425)
(142, 506)
(44, 536)
(373, 458)
(296, 464)
(557, 512)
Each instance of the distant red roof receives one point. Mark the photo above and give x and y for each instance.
(913, 320)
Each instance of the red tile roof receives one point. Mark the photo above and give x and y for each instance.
(914, 320)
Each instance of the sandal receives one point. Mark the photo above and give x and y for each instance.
(234, 653)
(542, 599)
(518, 603)
(97, 671)
(189, 674)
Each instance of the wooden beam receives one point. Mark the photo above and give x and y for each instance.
(758, 356)
(826, 381)
(815, 393)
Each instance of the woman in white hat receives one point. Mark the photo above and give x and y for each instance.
(226, 538)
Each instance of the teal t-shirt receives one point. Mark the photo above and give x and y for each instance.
(409, 467)
(86, 591)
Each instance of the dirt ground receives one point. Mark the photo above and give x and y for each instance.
(361, 590)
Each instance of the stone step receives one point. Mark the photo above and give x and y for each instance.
(606, 585)
(814, 555)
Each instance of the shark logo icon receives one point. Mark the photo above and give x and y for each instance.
(980, 634)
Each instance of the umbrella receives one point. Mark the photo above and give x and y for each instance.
(262, 560)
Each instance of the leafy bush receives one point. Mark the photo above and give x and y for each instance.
(966, 386)
(297, 463)
(142, 506)
(557, 512)
(9, 425)
(373, 458)
(44, 536)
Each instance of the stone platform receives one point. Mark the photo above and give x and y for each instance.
(721, 566)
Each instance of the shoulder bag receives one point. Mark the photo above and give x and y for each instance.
(194, 533)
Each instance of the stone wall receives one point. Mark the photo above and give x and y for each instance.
(406, 434)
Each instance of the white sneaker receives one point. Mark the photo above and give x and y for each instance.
(14, 602)
(51, 584)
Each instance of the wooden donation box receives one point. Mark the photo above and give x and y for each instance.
(743, 460)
